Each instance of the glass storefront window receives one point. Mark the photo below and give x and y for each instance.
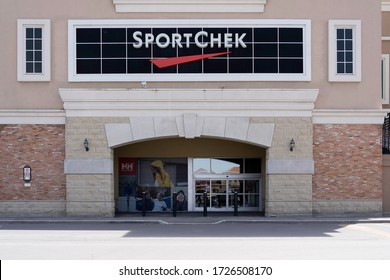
(220, 193)
(226, 165)
(202, 166)
(157, 178)
(220, 178)
(217, 166)
(252, 165)
(201, 186)
(251, 193)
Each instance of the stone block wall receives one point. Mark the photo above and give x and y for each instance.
(90, 186)
(90, 195)
(91, 128)
(289, 185)
(289, 194)
(348, 168)
(299, 129)
(43, 148)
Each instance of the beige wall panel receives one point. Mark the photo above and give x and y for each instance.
(44, 95)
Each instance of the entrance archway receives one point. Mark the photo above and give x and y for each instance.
(179, 155)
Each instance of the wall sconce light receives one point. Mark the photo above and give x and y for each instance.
(292, 145)
(27, 173)
(86, 144)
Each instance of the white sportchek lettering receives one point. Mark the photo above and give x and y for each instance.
(202, 40)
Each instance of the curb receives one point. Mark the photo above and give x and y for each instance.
(197, 220)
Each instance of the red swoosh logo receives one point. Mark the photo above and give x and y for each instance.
(167, 62)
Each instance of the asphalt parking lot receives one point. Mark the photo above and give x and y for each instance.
(197, 241)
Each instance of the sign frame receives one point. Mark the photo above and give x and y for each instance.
(191, 23)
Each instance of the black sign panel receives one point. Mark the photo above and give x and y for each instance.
(197, 50)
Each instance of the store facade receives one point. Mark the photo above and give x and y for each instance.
(191, 138)
(141, 102)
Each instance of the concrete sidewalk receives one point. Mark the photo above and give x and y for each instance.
(198, 218)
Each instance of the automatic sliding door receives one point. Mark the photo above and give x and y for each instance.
(235, 186)
(218, 194)
(202, 186)
(215, 194)
(252, 193)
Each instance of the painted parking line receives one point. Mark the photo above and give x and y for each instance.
(367, 229)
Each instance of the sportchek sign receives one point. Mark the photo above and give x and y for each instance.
(193, 50)
(201, 39)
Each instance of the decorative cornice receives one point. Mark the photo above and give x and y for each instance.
(175, 102)
(385, 6)
(189, 6)
(32, 117)
(349, 116)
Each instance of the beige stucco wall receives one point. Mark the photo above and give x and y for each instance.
(43, 95)
(386, 42)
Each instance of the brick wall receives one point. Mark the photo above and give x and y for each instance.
(348, 162)
(43, 148)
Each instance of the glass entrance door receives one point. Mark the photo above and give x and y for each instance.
(220, 194)
(216, 191)
(220, 178)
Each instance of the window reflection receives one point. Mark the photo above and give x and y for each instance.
(201, 166)
(218, 166)
(226, 165)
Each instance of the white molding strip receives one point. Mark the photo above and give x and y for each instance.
(176, 102)
(32, 117)
(349, 116)
(385, 6)
(189, 6)
(305, 166)
(88, 166)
